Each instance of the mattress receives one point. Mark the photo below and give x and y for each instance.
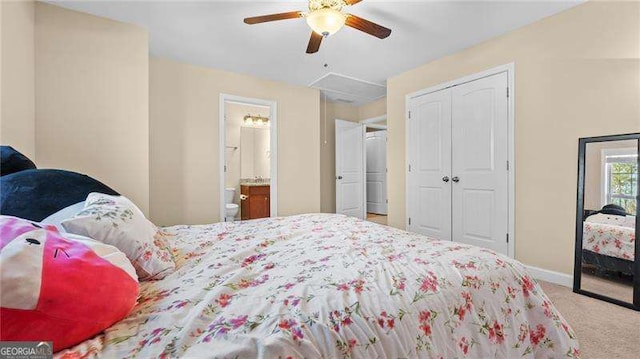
(613, 236)
(330, 286)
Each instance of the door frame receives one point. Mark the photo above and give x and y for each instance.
(510, 70)
(371, 122)
(273, 148)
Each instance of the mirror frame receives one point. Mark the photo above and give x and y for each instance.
(577, 269)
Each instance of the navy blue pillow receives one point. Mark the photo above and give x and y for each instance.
(614, 209)
(12, 161)
(37, 194)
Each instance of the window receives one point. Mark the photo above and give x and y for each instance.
(620, 177)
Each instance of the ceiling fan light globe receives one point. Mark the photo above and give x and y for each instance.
(326, 21)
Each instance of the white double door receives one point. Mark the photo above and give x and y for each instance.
(457, 154)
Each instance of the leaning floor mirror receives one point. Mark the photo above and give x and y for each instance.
(607, 220)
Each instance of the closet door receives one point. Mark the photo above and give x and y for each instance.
(429, 158)
(479, 163)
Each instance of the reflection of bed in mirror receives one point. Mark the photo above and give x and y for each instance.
(608, 243)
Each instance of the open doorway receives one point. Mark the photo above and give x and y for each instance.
(361, 169)
(248, 158)
(376, 169)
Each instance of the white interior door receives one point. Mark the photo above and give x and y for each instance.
(350, 169)
(479, 163)
(429, 155)
(376, 144)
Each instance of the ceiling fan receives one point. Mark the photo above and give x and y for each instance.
(325, 18)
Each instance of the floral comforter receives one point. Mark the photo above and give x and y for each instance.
(330, 286)
(609, 239)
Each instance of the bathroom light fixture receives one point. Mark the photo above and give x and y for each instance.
(255, 121)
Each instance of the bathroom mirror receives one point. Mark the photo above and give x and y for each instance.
(254, 153)
(607, 220)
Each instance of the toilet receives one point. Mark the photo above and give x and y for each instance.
(231, 209)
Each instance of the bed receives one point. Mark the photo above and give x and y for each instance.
(609, 242)
(331, 286)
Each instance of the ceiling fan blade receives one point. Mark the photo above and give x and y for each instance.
(314, 43)
(352, 2)
(273, 17)
(367, 26)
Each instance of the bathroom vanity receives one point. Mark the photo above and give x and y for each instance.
(257, 202)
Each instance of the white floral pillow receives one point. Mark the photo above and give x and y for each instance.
(622, 221)
(115, 220)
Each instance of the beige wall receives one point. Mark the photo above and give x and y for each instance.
(577, 75)
(92, 99)
(376, 108)
(184, 141)
(17, 94)
(1, 81)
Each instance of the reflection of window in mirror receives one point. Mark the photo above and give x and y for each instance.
(620, 177)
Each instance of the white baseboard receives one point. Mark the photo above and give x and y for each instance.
(551, 276)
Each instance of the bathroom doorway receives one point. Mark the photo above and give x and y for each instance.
(248, 158)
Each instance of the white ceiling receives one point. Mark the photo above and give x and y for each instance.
(212, 33)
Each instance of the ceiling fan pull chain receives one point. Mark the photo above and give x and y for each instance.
(326, 66)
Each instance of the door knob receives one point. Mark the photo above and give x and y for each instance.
(339, 177)
(445, 179)
(455, 179)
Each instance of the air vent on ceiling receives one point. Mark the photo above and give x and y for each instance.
(348, 89)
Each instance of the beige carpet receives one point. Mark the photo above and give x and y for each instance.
(611, 287)
(605, 331)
